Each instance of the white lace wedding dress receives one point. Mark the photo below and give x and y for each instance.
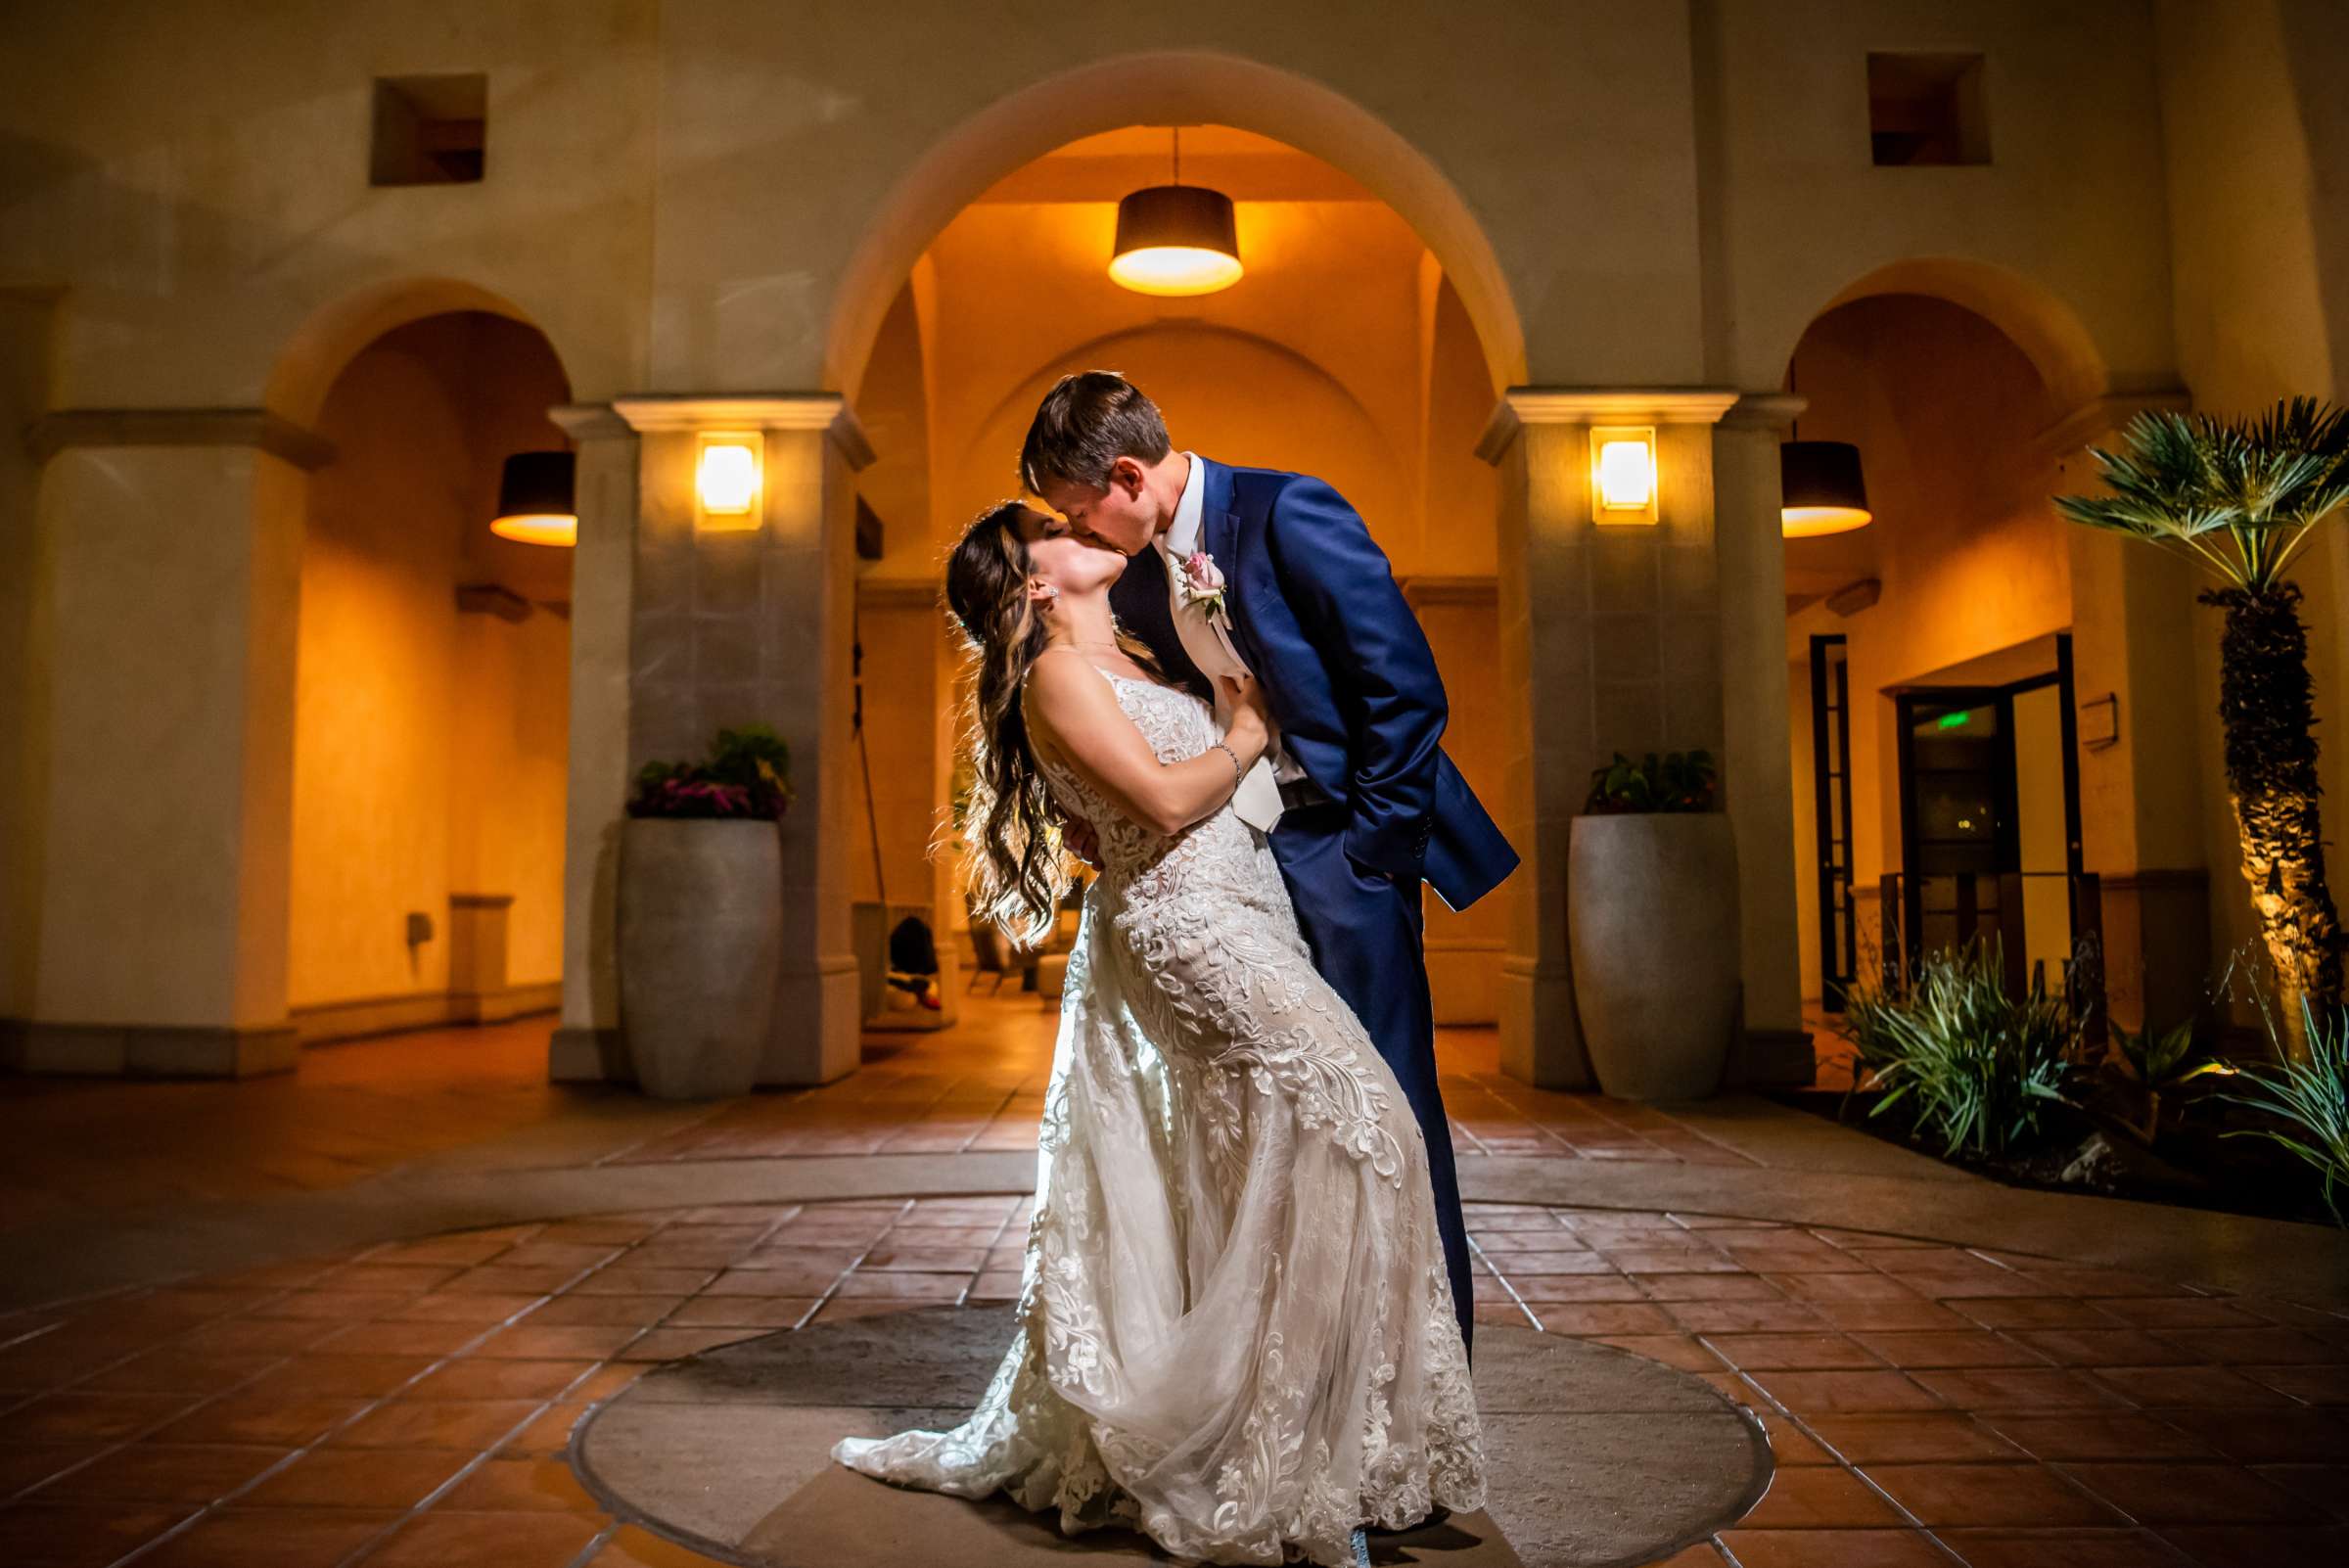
(1236, 1329)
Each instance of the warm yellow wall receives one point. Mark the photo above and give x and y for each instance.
(900, 633)
(428, 745)
(1464, 949)
(2259, 257)
(1281, 369)
(25, 323)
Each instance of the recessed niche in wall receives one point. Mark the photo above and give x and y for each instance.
(1926, 108)
(428, 130)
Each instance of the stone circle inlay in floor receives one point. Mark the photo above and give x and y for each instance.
(1597, 1455)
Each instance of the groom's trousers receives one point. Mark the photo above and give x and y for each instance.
(1365, 933)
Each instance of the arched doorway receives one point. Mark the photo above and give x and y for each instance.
(425, 868)
(1941, 658)
(1346, 351)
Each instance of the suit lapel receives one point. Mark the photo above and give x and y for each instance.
(1218, 536)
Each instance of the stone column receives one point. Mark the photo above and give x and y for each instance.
(586, 1045)
(2141, 803)
(1610, 641)
(161, 740)
(752, 627)
(1757, 787)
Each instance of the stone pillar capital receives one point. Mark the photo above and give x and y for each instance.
(1773, 411)
(1521, 406)
(828, 412)
(589, 422)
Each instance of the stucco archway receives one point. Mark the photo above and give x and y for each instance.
(2047, 330)
(324, 343)
(1171, 87)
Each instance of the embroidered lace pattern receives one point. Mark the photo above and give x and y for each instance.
(1236, 1332)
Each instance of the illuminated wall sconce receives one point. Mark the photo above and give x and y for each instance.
(727, 473)
(1623, 474)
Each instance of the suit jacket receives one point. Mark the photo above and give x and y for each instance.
(1345, 669)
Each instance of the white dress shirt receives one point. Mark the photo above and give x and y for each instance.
(1257, 801)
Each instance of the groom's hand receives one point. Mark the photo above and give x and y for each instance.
(1079, 840)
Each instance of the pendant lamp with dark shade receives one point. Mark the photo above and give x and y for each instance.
(1823, 490)
(1175, 239)
(535, 499)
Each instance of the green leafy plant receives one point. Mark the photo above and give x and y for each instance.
(1679, 781)
(747, 775)
(2151, 1066)
(2241, 499)
(2307, 1095)
(1978, 1069)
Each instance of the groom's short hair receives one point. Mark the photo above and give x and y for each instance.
(1085, 423)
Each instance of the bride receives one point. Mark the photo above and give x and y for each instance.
(1235, 1332)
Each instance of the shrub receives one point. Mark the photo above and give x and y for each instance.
(2154, 1069)
(2308, 1095)
(1681, 781)
(1977, 1069)
(747, 775)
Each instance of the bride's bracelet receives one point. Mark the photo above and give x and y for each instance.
(1237, 772)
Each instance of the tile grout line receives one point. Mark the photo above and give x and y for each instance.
(302, 1450)
(425, 1504)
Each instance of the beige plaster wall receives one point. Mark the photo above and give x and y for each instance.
(2070, 205)
(198, 173)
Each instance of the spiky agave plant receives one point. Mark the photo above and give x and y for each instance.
(2307, 1100)
(1978, 1069)
(2241, 500)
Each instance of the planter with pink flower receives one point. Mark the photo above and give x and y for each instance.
(701, 916)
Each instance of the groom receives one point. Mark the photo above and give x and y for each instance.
(1360, 803)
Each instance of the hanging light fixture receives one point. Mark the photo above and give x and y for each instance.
(1820, 489)
(1176, 239)
(534, 504)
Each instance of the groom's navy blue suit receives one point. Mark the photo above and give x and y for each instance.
(1346, 671)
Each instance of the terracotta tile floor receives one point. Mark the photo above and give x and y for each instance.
(76, 1148)
(409, 1403)
(981, 1085)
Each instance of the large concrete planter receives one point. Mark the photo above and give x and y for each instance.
(1652, 924)
(701, 935)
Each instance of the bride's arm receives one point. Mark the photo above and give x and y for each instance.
(1071, 708)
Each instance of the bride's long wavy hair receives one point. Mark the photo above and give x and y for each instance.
(1013, 865)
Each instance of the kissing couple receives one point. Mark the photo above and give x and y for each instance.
(1245, 1310)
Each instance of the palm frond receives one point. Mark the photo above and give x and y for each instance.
(2237, 496)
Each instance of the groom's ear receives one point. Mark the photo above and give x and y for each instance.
(1128, 474)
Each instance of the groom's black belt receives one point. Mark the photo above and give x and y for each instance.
(1298, 793)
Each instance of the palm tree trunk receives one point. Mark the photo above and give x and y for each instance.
(2265, 709)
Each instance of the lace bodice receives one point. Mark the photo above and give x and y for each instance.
(1178, 727)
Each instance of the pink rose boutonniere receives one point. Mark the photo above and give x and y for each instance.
(1203, 585)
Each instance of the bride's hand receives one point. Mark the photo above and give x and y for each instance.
(1250, 719)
